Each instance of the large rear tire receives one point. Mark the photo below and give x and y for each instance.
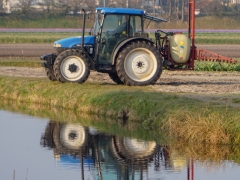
(71, 66)
(115, 78)
(139, 64)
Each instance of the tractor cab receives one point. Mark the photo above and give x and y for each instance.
(112, 27)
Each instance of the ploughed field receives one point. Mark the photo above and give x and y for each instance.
(170, 81)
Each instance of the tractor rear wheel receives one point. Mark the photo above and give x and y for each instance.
(50, 74)
(71, 66)
(115, 78)
(139, 64)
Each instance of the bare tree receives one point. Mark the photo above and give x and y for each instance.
(161, 5)
(183, 11)
(134, 3)
(169, 9)
(24, 6)
(154, 7)
(48, 5)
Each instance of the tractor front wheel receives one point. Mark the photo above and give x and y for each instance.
(71, 66)
(139, 64)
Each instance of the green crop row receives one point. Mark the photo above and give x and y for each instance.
(215, 66)
(34, 37)
(50, 37)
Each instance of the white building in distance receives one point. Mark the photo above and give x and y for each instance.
(7, 6)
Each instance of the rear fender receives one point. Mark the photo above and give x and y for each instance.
(123, 43)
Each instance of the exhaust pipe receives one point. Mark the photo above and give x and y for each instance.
(83, 28)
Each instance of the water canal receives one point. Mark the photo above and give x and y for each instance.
(37, 148)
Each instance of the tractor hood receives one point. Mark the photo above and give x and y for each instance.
(73, 41)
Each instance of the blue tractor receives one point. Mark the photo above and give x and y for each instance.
(117, 45)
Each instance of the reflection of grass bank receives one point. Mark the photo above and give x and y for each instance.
(114, 126)
(184, 119)
(208, 155)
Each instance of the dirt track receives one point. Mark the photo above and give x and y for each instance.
(170, 81)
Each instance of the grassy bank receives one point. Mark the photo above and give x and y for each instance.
(183, 119)
(48, 37)
(112, 126)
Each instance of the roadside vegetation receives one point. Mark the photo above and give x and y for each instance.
(181, 118)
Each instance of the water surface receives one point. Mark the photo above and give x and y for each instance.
(34, 148)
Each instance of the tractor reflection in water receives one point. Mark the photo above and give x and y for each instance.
(104, 156)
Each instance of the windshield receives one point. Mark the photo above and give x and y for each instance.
(97, 24)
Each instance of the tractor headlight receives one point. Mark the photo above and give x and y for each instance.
(57, 45)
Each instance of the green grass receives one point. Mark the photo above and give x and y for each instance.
(48, 21)
(213, 22)
(62, 21)
(48, 37)
(20, 61)
(155, 111)
(217, 38)
(213, 38)
(203, 22)
(31, 37)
